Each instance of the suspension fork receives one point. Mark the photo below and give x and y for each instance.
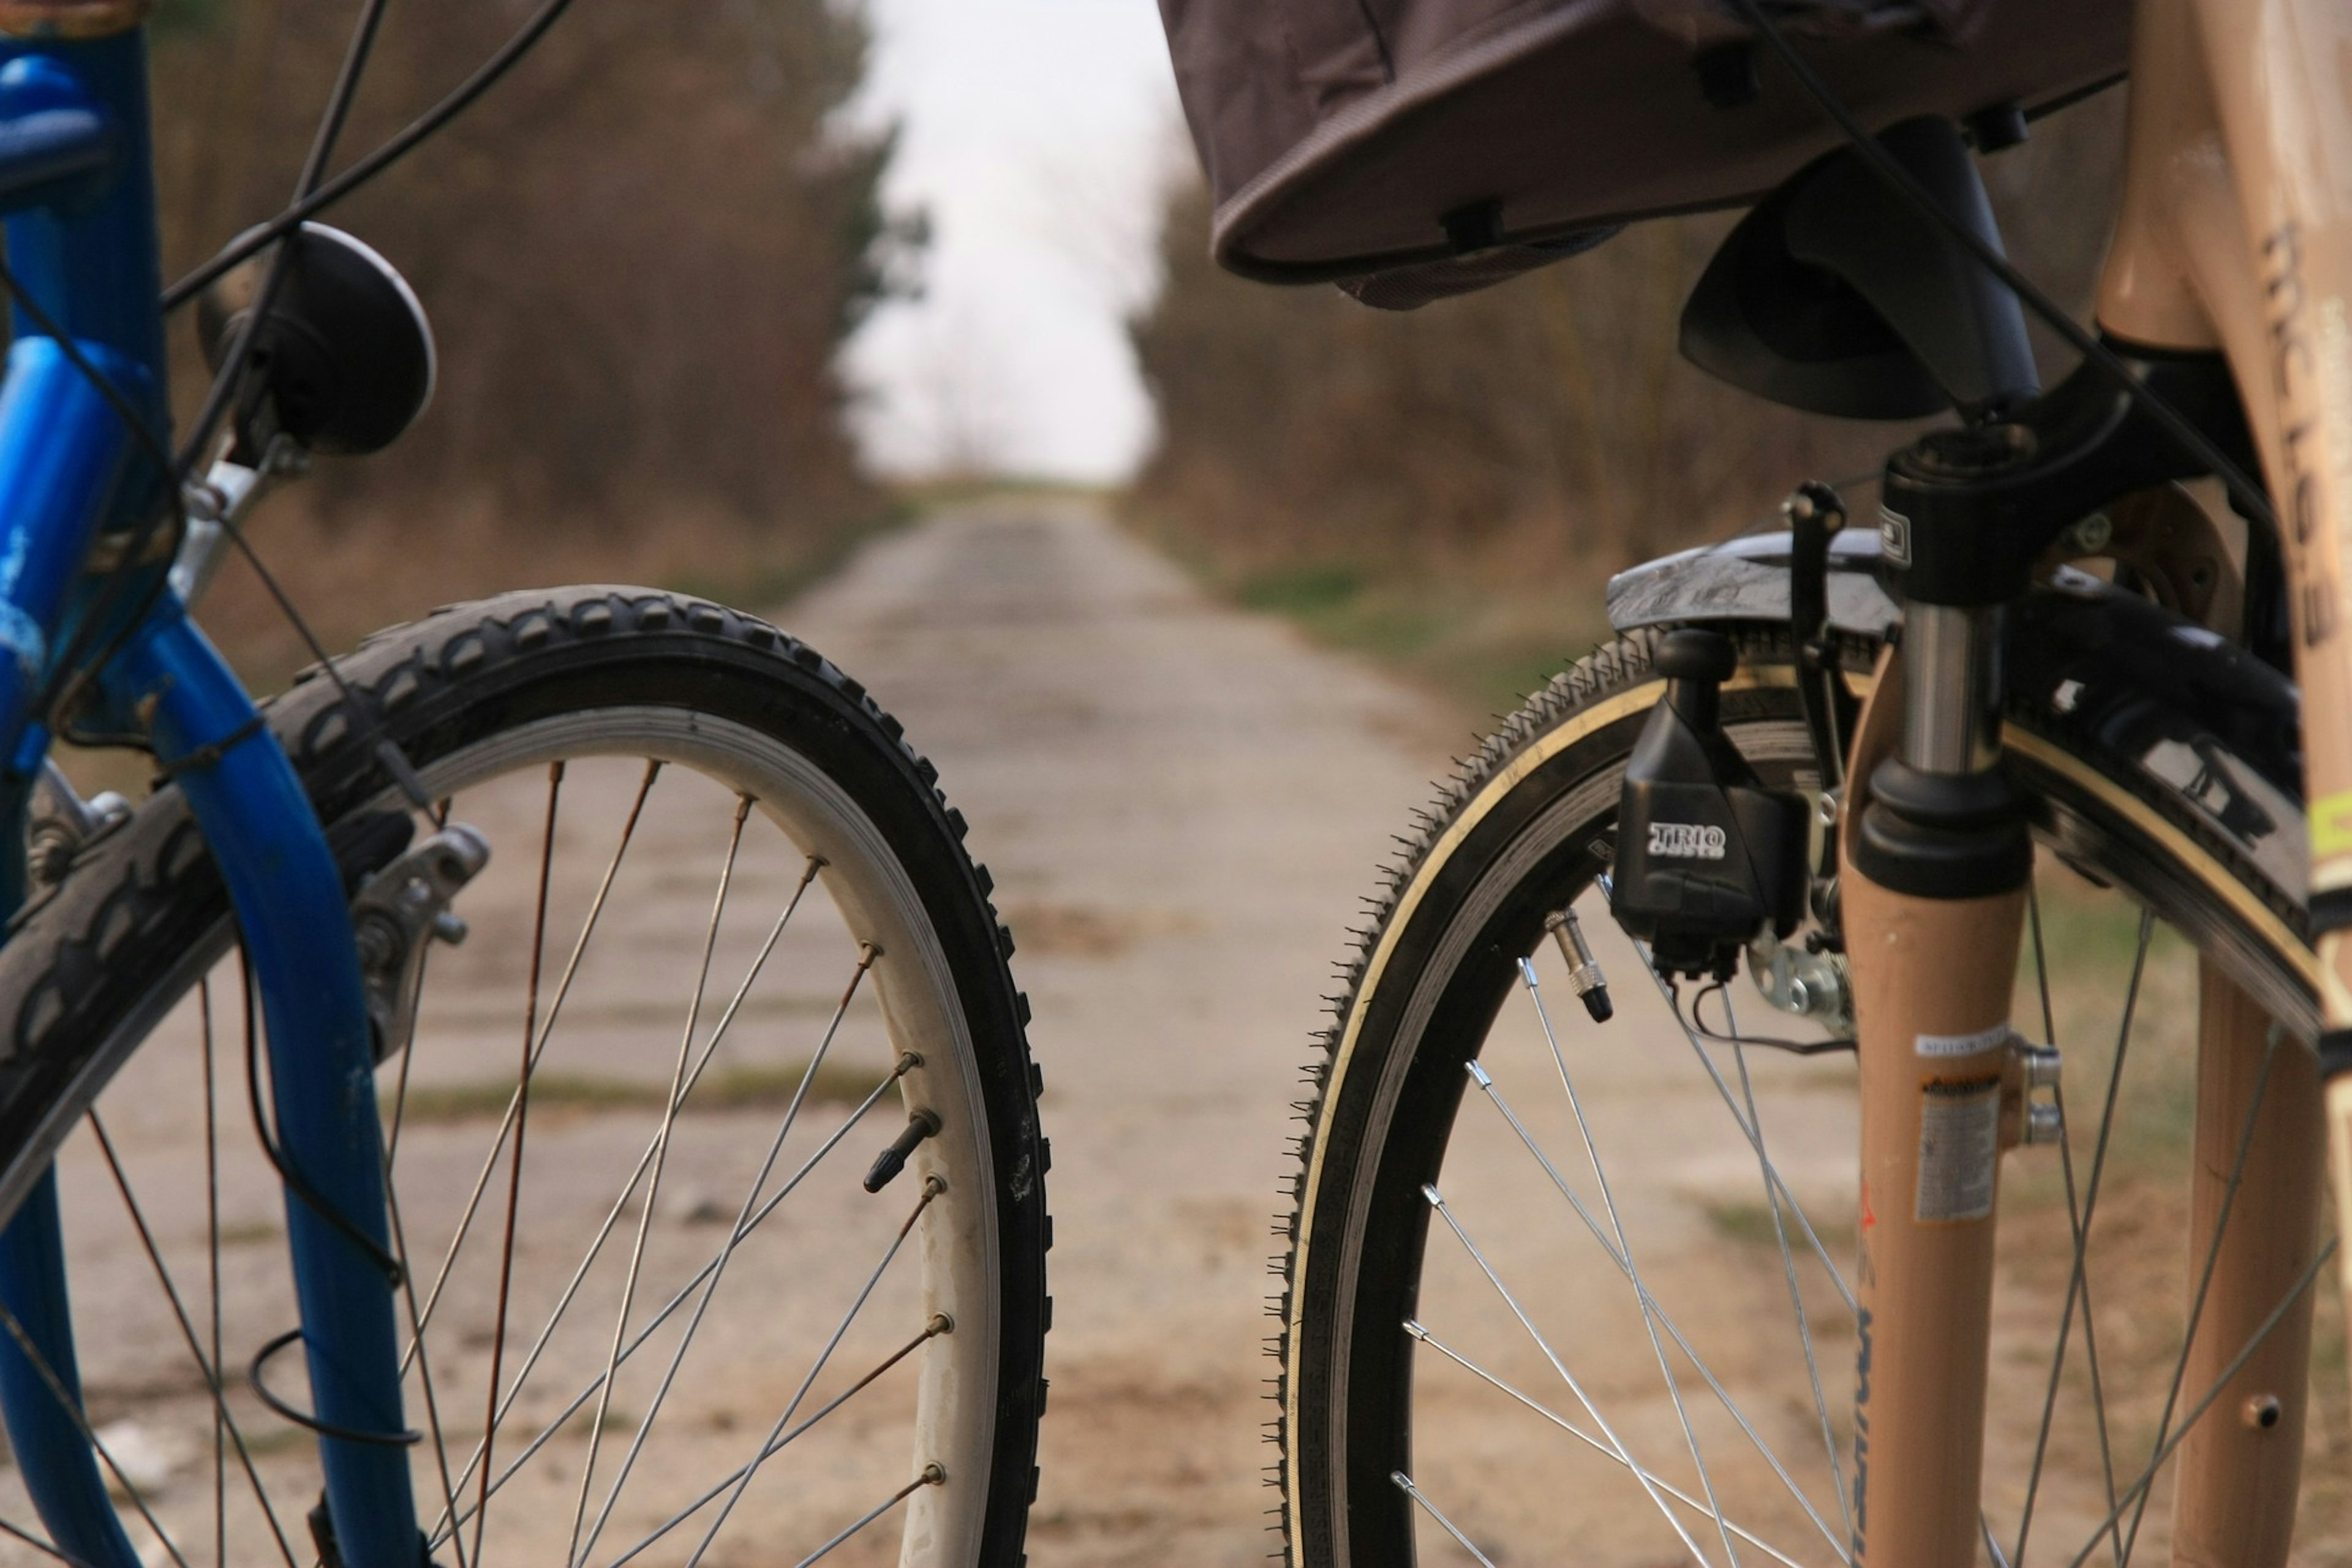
(1933, 863)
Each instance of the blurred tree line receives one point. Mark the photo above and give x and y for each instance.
(641, 252)
(1540, 431)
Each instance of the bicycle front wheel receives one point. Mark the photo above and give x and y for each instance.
(728, 953)
(1569, 1289)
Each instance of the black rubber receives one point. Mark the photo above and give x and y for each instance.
(1371, 1221)
(139, 898)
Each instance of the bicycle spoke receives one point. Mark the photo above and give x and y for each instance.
(74, 1413)
(710, 1291)
(1405, 1484)
(940, 1323)
(1789, 1268)
(932, 1476)
(16, 1532)
(1431, 1196)
(2078, 1285)
(644, 1160)
(555, 1006)
(1731, 1407)
(933, 1187)
(2074, 1224)
(1625, 1250)
(652, 1184)
(1698, 1048)
(2221, 1385)
(423, 1361)
(212, 1261)
(1421, 1333)
(2205, 1276)
(521, 1125)
(211, 1370)
(1992, 1547)
(906, 1064)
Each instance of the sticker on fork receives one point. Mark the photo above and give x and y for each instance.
(1959, 1148)
(1983, 1040)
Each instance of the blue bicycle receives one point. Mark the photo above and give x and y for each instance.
(547, 1088)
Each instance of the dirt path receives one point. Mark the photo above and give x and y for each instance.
(1182, 806)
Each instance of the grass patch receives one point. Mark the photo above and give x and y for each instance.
(1485, 651)
(2090, 936)
(1302, 591)
(740, 1088)
(763, 585)
(1750, 1224)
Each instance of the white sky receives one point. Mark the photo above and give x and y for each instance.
(1038, 135)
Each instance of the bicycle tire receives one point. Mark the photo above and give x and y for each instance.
(105, 953)
(1502, 846)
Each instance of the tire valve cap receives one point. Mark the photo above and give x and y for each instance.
(1584, 975)
(893, 1159)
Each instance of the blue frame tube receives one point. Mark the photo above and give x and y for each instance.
(62, 452)
(63, 455)
(289, 898)
(76, 184)
(58, 1465)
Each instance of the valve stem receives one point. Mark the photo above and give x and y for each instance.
(1584, 976)
(893, 1159)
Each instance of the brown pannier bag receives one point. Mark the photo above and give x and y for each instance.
(1445, 143)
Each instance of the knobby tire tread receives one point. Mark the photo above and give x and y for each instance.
(1620, 664)
(137, 898)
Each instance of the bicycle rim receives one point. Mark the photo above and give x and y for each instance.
(702, 1332)
(1443, 1344)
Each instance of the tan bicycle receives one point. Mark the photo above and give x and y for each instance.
(2005, 1238)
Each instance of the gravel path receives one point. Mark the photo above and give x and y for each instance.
(1182, 806)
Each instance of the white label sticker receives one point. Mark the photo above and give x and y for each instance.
(1991, 1040)
(1960, 1147)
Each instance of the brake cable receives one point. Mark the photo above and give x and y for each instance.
(2247, 495)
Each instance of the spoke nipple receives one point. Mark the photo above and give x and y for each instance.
(1478, 1074)
(935, 1474)
(1413, 1327)
(1429, 1191)
(866, 954)
(893, 1159)
(940, 1323)
(2264, 1412)
(1527, 973)
(908, 1062)
(933, 1187)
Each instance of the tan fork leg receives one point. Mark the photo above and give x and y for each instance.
(1932, 984)
(2241, 1465)
(1929, 1153)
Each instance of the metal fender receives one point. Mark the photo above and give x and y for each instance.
(2179, 713)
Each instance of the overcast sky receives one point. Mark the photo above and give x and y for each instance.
(1038, 135)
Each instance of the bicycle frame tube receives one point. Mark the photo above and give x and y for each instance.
(290, 906)
(2237, 232)
(76, 180)
(2236, 235)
